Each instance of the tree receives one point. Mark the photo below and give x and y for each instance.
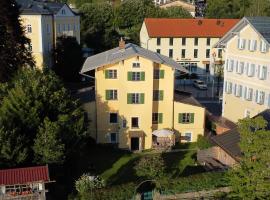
(97, 23)
(68, 58)
(13, 44)
(152, 166)
(37, 111)
(177, 12)
(250, 180)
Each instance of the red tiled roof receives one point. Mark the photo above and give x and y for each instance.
(164, 27)
(24, 175)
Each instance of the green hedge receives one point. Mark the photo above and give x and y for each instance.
(203, 181)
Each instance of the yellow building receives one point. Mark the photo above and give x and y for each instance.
(44, 21)
(134, 96)
(247, 68)
(188, 41)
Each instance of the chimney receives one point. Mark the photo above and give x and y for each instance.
(122, 44)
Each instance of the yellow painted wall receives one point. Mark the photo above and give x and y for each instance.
(196, 128)
(234, 108)
(151, 44)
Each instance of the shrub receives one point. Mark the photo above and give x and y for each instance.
(151, 166)
(203, 142)
(87, 183)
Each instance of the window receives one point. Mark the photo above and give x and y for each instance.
(113, 138)
(111, 95)
(135, 122)
(183, 53)
(207, 68)
(228, 87)
(29, 28)
(241, 43)
(196, 41)
(158, 51)
(263, 47)
(208, 41)
(249, 94)
(240, 68)
(124, 123)
(111, 74)
(170, 53)
(252, 45)
(207, 53)
(186, 118)
(158, 41)
(195, 54)
(247, 113)
(230, 67)
(188, 137)
(260, 96)
(184, 41)
(135, 98)
(235, 90)
(250, 69)
(136, 76)
(158, 73)
(136, 65)
(157, 118)
(171, 41)
(239, 91)
(63, 12)
(158, 95)
(113, 118)
(262, 72)
(220, 53)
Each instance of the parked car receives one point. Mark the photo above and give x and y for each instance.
(200, 85)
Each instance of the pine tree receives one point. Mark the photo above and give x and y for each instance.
(13, 44)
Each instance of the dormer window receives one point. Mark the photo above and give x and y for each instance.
(63, 12)
(136, 65)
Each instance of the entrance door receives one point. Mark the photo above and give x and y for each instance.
(135, 144)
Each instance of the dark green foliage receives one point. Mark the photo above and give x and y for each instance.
(38, 117)
(203, 181)
(68, 57)
(152, 167)
(13, 51)
(203, 142)
(250, 180)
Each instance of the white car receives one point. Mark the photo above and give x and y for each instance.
(200, 85)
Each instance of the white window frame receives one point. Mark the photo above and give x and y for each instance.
(136, 65)
(230, 68)
(260, 98)
(239, 90)
(188, 132)
(29, 28)
(241, 43)
(251, 70)
(112, 74)
(240, 68)
(135, 98)
(263, 73)
(252, 45)
(263, 46)
(113, 94)
(135, 76)
(249, 94)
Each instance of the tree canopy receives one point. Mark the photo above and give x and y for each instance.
(250, 180)
(68, 58)
(13, 44)
(39, 120)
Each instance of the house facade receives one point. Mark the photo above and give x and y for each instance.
(134, 96)
(247, 69)
(188, 41)
(44, 21)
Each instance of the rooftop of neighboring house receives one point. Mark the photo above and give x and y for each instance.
(229, 141)
(260, 24)
(41, 7)
(24, 175)
(186, 98)
(165, 27)
(124, 52)
(187, 6)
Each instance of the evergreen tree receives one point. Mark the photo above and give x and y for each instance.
(37, 110)
(68, 58)
(250, 180)
(13, 44)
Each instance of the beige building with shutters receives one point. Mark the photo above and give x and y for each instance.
(135, 96)
(247, 68)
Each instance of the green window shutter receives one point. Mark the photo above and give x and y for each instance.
(142, 98)
(180, 118)
(161, 94)
(129, 98)
(107, 94)
(160, 118)
(192, 118)
(129, 76)
(106, 74)
(161, 73)
(142, 76)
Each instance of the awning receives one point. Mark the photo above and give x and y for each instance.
(163, 133)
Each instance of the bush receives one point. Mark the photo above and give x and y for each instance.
(151, 166)
(87, 182)
(203, 142)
